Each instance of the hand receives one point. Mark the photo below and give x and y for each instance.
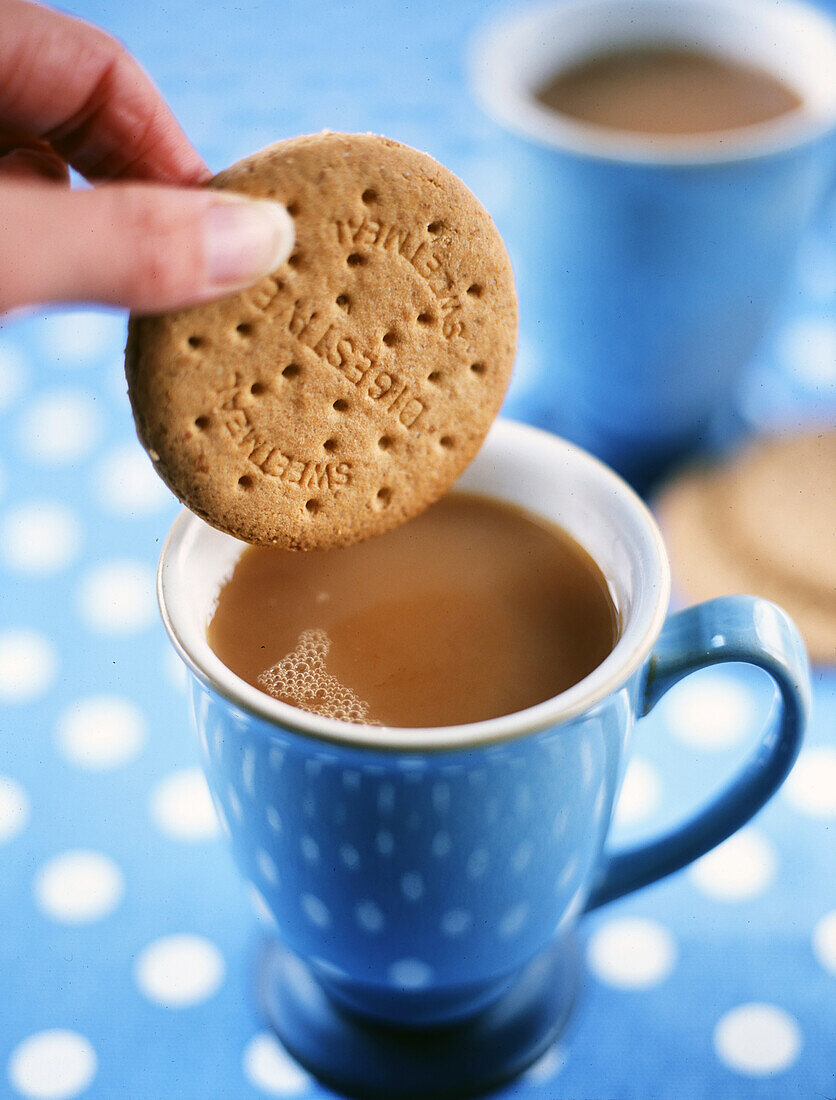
(72, 95)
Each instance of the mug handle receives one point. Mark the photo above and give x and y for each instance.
(732, 628)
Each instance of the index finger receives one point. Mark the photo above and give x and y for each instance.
(68, 83)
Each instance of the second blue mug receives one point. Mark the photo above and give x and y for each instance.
(649, 267)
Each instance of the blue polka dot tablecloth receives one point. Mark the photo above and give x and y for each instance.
(127, 940)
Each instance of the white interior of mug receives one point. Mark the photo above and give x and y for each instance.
(545, 475)
(516, 55)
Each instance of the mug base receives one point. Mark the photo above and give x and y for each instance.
(374, 1061)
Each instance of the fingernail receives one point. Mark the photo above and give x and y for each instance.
(245, 239)
(30, 161)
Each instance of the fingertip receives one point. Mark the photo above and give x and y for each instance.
(244, 240)
(197, 172)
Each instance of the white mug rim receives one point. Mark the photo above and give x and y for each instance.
(520, 113)
(634, 644)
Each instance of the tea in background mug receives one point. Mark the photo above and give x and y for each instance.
(426, 883)
(652, 265)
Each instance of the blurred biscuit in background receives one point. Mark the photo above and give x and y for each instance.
(762, 523)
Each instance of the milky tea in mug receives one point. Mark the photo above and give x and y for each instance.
(472, 611)
(656, 89)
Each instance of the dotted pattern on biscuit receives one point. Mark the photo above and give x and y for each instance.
(346, 392)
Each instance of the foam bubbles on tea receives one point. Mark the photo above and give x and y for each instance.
(301, 679)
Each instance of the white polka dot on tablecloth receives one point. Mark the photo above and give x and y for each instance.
(52, 1065)
(546, 1067)
(179, 971)
(808, 345)
(27, 665)
(757, 1039)
(60, 427)
(739, 869)
(709, 711)
(631, 953)
(811, 785)
(824, 941)
(640, 792)
(126, 484)
(268, 1066)
(182, 807)
(79, 337)
(118, 597)
(79, 887)
(39, 537)
(101, 732)
(14, 808)
(12, 377)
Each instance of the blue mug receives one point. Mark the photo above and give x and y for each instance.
(426, 883)
(648, 267)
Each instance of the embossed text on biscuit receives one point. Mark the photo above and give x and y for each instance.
(363, 371)
(313, 329)
(365, 232)
(235, 407)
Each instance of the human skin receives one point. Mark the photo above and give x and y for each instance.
(145, 235)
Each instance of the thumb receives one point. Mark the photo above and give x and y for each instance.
(142, 246)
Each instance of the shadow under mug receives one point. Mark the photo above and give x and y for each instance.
(425, 883)
(650, 267)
